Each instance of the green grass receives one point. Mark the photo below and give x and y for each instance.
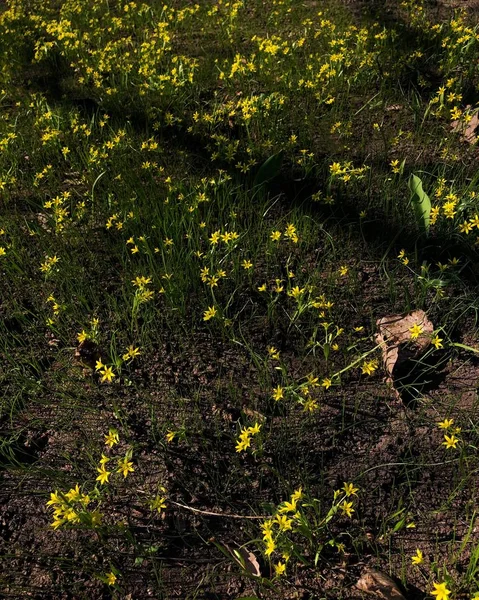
(204, 210)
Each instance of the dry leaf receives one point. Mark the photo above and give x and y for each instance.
(394, 330)
(394, 333)
(43, 221)
(253, 414)
(246, 560)
(379, 584)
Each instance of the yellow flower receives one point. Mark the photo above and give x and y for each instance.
(267, 529)
(450, 441)
(297, 495)
(402, 257)
(335, 168)
(104, 474)
(243, 444)
(247, 264)
(57, 522)
(131, 352)
(326, 383)
(278, 393)
(81, 337)
(273, 352)
(111, 578)
(170, 436)
(275, 236)
(209, 314)
(262, 288)
(270, 547)
(279, 569)
(474, 221)
(455, 113)
(290, 232)
(107, 374)
(440, 591)
(347, 508)
(296, 292)
(343, 271)
(55, 498)
(368, 367)
(125, 466)
(215, 237)
(349, 489)
(283, 522)
(446, 423)
(112, 438)
(418, 558)
(465, 227)
(415, 331)
(157, 503)
(255, 429)
(74, 494)
(288, 506)
(436, 341)
(141, 281)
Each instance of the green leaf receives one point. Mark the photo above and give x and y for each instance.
(326, 350)
(420, 202)
(269, 169)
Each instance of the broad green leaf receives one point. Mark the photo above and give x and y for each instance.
(420, 202)
(269, 169)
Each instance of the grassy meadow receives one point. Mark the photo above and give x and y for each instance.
(205, 210)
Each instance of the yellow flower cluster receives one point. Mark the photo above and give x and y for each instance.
(346, 172)
(245, 436)
(281, 522)
(70, 508)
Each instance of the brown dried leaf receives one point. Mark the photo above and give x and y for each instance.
(393, 331)
(379, 584)
(246, 560)
(254, 414)
(43, 221)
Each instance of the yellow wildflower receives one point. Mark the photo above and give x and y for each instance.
(418, 558)
(209, 314)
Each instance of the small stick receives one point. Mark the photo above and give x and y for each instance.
(208, 512)
(214, 514)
